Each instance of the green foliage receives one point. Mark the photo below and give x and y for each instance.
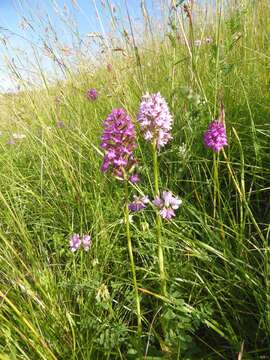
(59, 305)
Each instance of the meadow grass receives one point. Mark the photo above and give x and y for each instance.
(55, 304)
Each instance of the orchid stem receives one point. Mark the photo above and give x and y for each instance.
(216, 184)
(163, 285)
(132, 264)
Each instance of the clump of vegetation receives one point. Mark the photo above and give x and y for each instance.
(142, 234)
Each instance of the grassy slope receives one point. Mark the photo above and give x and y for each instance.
(217, 264)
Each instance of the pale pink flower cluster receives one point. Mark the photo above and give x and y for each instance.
(155, 119)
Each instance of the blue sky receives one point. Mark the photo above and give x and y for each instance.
(38, 12)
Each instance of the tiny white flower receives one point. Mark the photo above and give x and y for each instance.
(198, 42)
(123, 221)
(17, 136)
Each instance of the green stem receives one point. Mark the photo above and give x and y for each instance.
(216, 184)
(132, 264)
(163, 285)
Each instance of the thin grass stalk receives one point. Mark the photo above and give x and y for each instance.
(173, 71)
(267, 274)
(188, 12)
(218, 27)
(31, 328)
(135, 48)
(194, 68)
(242, 197)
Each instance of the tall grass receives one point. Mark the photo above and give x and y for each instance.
(58, 305)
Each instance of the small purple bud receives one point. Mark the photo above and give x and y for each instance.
(139, 203)
(60, 124)
(134, 178)
(92, 94)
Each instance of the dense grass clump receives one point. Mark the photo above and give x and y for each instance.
(192, 287)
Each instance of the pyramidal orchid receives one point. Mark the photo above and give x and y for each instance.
(118, 141)
(215, 136)
(155, 119)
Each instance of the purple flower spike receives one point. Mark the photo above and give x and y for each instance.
(75, 242)
(167, 203)
(215, 137)
(155, 119)
(86, 242)
(118, 141)
(92, 94)
(139, 203)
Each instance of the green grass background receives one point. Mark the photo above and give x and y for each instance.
(216, 256)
